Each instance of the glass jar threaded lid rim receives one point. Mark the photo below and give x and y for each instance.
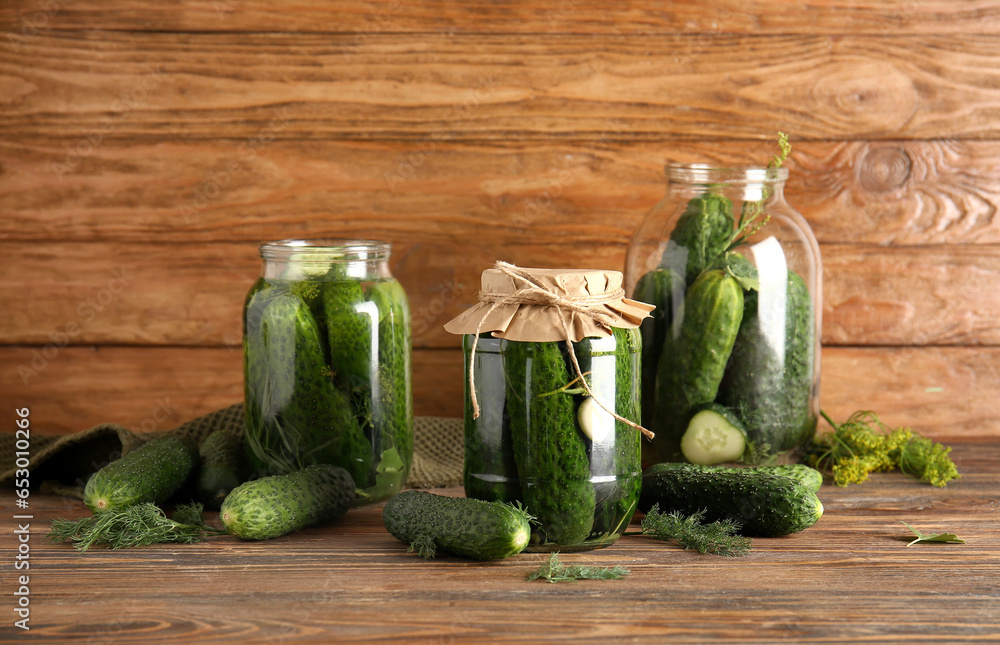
(700, 173)
(325, 249)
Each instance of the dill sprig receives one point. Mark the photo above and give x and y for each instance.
(754, 215)
(134, 526)
(717, 538)
(864, 444)
(554, 570)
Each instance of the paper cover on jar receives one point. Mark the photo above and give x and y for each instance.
(533, 304)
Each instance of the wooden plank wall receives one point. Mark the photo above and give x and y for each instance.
(146, 149)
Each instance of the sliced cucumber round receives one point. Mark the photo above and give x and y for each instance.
(714, 435)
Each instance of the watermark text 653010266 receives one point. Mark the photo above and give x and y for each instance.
(22, 518)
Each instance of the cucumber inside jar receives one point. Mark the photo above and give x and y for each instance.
(544, 450)
(734, 273)
(327, 378)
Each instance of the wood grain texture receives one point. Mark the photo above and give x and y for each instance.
(192, 294)
(587, 192)
(849, 578)
(487, 87)
(940, 391)
(147, 149)
(365, 20)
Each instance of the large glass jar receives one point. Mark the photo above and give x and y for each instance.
(326, 349)
(735, 274)
(566, 449)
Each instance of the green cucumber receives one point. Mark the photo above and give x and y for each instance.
(773, 397)
(740, 268)
(307, 419)
(349, 333)
(663, 288)
(392, 411)
(550, 452)
(704, 231)
(805, 475)
(223, 467)
(462, 526)
(153, 472)
(695, 354)
(714, 435)
(762, 503)
(272, 506)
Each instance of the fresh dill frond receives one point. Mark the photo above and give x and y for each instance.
(554, 570)
(718, 538)
(424, 546)
(134, 526)
(864, 444)
(754, 216)
(758, 454)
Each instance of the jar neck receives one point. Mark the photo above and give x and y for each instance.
(747, 183)
(326, 258)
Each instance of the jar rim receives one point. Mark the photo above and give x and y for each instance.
(329, 249)
(702, 173)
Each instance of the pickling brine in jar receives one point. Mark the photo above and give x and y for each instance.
(327, 376)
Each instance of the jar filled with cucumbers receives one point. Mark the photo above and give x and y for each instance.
(553, 361)
(326, 355)
(731, 353)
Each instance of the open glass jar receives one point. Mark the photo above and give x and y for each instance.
(552, 422)
(735, 274)
(326, 354)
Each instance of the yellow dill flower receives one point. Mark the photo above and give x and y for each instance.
(863, 445)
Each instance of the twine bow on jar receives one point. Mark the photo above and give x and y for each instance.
(549, 305)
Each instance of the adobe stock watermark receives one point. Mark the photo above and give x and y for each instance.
(218, 180)
(458, 113)
(164, 411)
(33, 23)
(427, 315)
(121, 109)
(22, 516)
(86, 311)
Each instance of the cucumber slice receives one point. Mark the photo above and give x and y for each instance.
(713, 436)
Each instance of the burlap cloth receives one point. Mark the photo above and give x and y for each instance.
(62, 464)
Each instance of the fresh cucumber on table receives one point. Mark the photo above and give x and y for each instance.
(462, 526)
(763, 503)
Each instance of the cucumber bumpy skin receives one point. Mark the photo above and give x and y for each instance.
(462, 526)
(805, 475)
(153, 472)
(549, 450)
(273, 506)
(393, 412)
(773, 396)
(763, 504)
(695, 354)
(223, 467)
(304, 418)
(704, 231)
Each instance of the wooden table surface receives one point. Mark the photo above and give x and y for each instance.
(849, 578)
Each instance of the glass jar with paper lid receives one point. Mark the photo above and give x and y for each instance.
(731, 353)
(552, 366)
(326, 354)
